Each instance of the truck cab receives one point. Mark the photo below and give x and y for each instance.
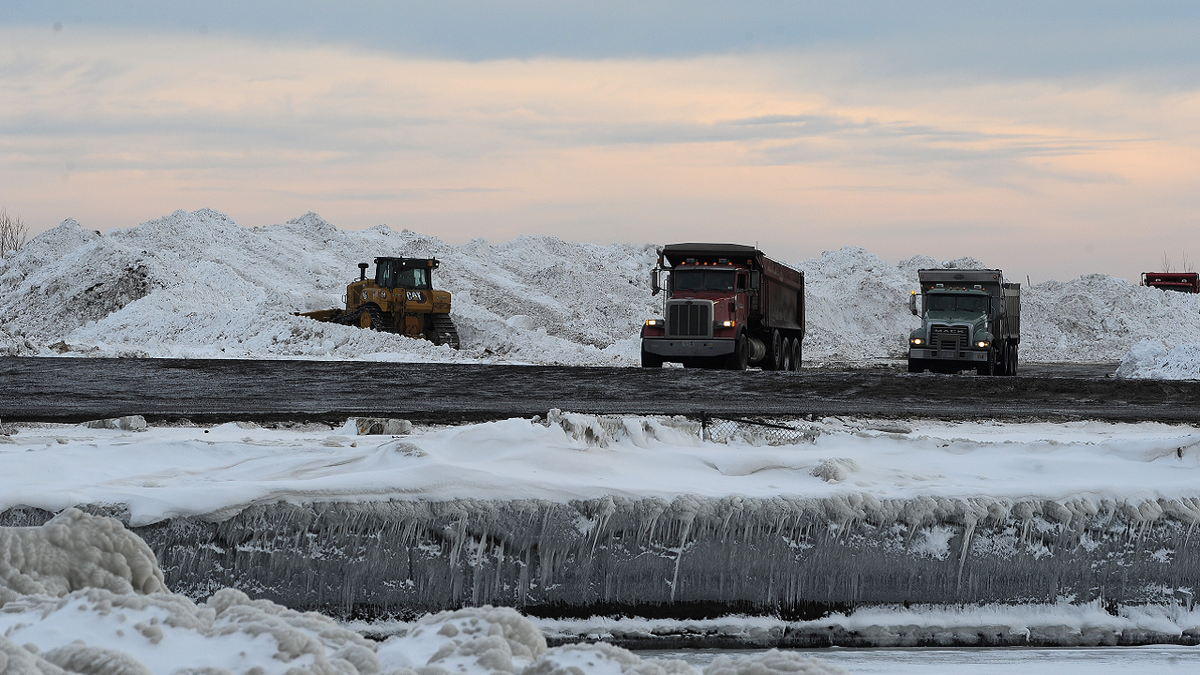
(970, 319)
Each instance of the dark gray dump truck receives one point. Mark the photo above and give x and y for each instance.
(726, 306)
(970, 319)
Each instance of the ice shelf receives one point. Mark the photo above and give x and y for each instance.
(691, 556)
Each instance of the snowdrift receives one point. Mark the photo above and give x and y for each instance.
(197, 285)
(1152, 359)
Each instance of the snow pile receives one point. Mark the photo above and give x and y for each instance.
(856, 305)
(1100, 318)
(94, 630)
(97, 631)
(74, 551)
(198, 285)
(1152, 359)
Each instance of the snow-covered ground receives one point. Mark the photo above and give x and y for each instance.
(79, 594)
(195, 284)
(167, 472)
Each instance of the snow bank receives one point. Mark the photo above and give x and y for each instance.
(1151, 359)
(576, 510)
(198, 285)
(84, 628)
(74, 551)
(568, 456)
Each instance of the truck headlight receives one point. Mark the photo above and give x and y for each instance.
(982, 343)
(916, 341)
(654, 322)
(728, 324)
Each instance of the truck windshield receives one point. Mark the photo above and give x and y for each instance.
(971, 304)
(703, 280)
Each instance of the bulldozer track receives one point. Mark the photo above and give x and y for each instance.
(447, 333)
(211, 391)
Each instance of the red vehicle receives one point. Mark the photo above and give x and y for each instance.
(1184, 282)
(726, 306)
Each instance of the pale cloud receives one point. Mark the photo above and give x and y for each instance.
(800, 150)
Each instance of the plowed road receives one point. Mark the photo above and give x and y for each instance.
(211, 391)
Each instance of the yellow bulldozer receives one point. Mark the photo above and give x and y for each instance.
(400, 299)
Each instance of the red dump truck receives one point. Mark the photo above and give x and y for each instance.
(725, 306)
(1185, 282)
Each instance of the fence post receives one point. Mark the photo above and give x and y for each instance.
(704, 436)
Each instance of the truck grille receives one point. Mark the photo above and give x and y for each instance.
(948, 340)
(689, 319)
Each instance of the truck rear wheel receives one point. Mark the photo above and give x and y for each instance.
(796, 354)
(774, 359)
(785, 355)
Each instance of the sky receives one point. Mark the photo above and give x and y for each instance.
(1050, 140)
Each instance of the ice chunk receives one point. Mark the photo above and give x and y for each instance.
(473, 638)
(835, 470)
(383, 426)
(126, 423)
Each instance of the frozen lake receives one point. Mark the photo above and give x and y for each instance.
(1013, 661)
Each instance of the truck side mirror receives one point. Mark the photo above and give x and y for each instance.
(654, 288)
(754, 279)
(912, 303)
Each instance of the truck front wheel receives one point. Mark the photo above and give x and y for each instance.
(651, 360)
(737, 360)
(987, 367)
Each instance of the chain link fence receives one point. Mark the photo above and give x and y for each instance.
(720, 429)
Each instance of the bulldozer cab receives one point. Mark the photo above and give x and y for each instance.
(413, 273)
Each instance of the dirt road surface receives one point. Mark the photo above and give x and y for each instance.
(213, 391)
